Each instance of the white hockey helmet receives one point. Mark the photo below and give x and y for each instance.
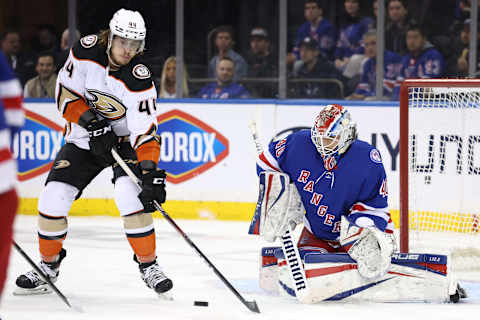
(333, 130)
(128, 24)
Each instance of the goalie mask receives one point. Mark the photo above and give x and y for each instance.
(130, 25)
(333, 131)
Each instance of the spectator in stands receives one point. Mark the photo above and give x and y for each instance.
(168, 83)
(45, 39)
(22, 64)
(314, 66)
(224, 44)
(457, 65)
(349, 53)
(62, 55)
(43, 85)
(463, 9)
(262, 63)
(225, 87)
(316, 27)
(366, 89)
(396, 28)
(422, 59)
(375, 12)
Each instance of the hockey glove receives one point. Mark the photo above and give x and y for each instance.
(153, 188)
(102, 140)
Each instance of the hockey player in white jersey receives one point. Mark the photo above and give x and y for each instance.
(107, 97)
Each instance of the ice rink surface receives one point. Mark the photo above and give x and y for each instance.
(102, 281)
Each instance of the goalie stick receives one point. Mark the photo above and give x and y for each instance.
(251, 305)
(289, 248)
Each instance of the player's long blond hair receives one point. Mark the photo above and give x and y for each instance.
(163, 79)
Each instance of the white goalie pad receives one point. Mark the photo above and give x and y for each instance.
(412, 278)
(371, 248)
(279, 205)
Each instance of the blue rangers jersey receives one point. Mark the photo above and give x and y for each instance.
(429, 64)
(355, 187)
(325, 34)
(350, 38)
(367, 85)
(232, 91)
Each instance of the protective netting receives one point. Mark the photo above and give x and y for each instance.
(444, 173)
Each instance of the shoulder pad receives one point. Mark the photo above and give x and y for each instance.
(88, 48)
(140, 71)
(89, 41)
(136, 76)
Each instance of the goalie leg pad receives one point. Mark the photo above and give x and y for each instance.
(268, 277)
(412, 278)
(307, 241)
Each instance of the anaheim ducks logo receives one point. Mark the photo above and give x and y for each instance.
(60, 164)
(88, 41)
(107, 105)
(140, 71)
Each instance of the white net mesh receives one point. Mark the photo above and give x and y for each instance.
(444, 173)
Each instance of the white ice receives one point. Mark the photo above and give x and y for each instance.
(100, 278)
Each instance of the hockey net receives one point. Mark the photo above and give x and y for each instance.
(440, 171)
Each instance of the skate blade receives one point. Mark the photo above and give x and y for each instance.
(43, 289)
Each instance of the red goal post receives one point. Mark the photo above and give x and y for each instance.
(442, 97)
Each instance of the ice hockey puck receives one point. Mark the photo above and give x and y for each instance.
(200, 303)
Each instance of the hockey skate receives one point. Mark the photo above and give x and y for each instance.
(32, 283)
(460, 293)
(154, 278)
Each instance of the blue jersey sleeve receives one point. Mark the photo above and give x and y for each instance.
(373, 197)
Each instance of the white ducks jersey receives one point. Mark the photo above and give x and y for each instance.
(126, 97)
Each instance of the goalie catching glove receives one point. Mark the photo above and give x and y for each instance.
(371, 248)
(153, 185)
(102, 140)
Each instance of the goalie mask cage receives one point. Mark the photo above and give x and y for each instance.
(440, 170)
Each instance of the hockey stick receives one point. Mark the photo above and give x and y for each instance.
(251, 305)
(41, 274)
(289, 248)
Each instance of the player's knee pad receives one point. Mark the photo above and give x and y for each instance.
(126, 196)
(56, 199)
(140, 233)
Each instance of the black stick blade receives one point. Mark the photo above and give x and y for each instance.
(252, 305)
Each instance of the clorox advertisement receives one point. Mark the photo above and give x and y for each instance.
(36, 145)
(189, 146)
(207, 151)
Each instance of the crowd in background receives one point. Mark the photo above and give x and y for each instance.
(325, 59)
